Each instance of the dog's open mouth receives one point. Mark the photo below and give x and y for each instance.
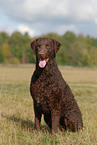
(42, 63)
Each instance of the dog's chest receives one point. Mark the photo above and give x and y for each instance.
(41, 87)
(40, 93)
(42, 105)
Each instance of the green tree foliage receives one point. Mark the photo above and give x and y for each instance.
(75, 50)
(1, 56)
(3, 38)
(7, 55)
(20, 47)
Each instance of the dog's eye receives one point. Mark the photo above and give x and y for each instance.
(47, 46)
(38, 46)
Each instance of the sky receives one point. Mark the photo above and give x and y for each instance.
(39, 17)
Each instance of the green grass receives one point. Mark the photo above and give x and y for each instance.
(16, 107)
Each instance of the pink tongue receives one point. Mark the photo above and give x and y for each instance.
(42, 63)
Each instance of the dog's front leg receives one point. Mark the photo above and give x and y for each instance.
(55, 109)
(55, 120)
(37, 119)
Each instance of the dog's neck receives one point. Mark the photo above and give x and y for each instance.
(43, 73)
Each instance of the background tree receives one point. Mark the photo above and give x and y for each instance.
(7, 55)
(75, 50)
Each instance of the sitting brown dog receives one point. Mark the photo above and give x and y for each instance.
(51, 94)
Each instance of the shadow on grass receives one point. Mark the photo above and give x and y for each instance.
(25, 124)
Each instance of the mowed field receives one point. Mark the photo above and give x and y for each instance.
(16, 107)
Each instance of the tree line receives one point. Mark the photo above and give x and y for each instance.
(76, 50)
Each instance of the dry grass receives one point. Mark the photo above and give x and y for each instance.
(16, 108)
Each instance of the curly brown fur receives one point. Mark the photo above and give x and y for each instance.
(51, 94)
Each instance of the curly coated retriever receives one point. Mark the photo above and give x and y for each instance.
(51, 94)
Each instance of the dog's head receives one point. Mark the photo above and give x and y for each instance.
(45, 48)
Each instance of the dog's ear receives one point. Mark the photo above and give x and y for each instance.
(56, 45)
(33, 45)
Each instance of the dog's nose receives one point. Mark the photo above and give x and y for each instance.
(41, 55)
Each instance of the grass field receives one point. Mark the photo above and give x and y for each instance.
(16, 107)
